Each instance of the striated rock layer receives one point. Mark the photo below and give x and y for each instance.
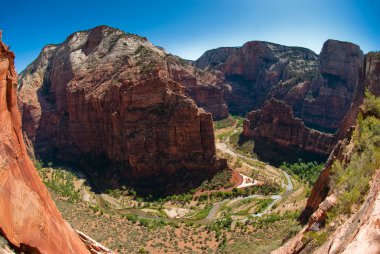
(286, 138)
(28, 217)
(114, 101)
(360, 233)
(319, 89)
(316, 109)
(321, 188)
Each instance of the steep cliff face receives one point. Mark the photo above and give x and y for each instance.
(372, 73)
(317, 91)
(281, 137)
(318, 88)
(28, 217)
(368, 80)
(114, 98)
(356, 157)
(332, 92)
(259, 70)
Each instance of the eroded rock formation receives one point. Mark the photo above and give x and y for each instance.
(317, 91)
(332, 91)
(360, 233)
(284, 137)
(29, 219)
(116, 99)
(259, 70)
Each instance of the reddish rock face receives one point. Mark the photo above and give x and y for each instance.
(113, 98)
(372, 73)
(279, 136)
(28, 217)
(368, 80)
(318, 93)
(332, 92)
(319, 89)
(259, 70)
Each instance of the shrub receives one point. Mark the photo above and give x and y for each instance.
(351, 181)
(307, 171)
(371, 104)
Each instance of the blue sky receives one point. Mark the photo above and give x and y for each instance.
(189, 27)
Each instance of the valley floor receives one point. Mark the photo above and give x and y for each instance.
(247, 219)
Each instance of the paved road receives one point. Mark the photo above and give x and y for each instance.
(223, 146)
(216, 206)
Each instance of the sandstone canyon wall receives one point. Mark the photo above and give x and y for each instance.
(317, 93)
(29, 219)
(360, 232)
(123, 103)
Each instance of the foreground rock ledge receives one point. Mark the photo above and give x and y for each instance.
(29, 219)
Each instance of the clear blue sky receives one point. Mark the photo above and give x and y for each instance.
(189, 27)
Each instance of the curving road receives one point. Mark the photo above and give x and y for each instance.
(102, 200)
(223, 146)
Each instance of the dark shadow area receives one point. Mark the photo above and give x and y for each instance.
(23, 249)
(276, 154)
(105, 175)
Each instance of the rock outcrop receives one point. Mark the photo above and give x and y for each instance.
(93, 246)
(284, 137)
(29, 219)
(372, 73)
(317, 92)
(116, 102)
(360, 232)
(259, 70)
(318, 88)
(332, 91)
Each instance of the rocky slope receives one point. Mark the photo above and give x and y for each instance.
(109, 100)
(317, 92)
(259, 70)
(358, 230)
(318, 88)
(284, 137)
(29, 219)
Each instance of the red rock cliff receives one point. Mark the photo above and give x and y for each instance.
(115, 97)
(28, 217)
(280, 136)
(327, 103)
(358, 234)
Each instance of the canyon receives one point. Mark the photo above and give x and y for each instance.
(123, 111)
(315, 93)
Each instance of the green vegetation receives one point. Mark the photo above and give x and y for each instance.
(371, 104)
(220, 180)
(230, 121)
(307, 171)
(262, 204)
(243, 145)
(202, 213)
(148, 223)
(124, 191)
(270, 188)
(351, 181)
(315, 238)
(59, 180)
(224, 123)
(224, 135)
